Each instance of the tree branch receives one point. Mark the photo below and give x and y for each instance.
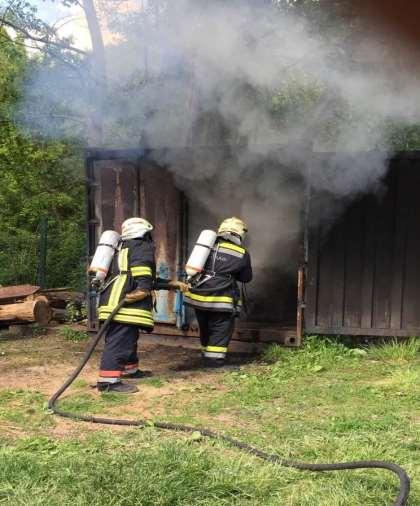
(3, 18)
(44, 40)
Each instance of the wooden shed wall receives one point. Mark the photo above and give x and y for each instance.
(123, 183)
(363, 274)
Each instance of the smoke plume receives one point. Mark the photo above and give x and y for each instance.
(252, 76)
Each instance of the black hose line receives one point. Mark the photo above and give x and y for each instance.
(401, 500)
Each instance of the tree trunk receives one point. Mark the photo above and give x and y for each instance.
(27, 311)
(95, 128)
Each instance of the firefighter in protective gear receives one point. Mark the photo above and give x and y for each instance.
(133, 272)
(214, 293)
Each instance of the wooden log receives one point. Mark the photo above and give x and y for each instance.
(27, 311)
(59, 297)
(58, 315)
(10, 294)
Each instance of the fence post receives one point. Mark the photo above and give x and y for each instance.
(42, 252)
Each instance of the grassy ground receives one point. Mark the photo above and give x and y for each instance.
(323, 403)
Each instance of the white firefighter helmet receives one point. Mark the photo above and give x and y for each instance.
(233, 226)
(135, 228)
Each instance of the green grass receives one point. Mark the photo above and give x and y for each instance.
(22, 408)
(137, 468)
(73, 335)
(91, 403)
(28, 409)
(322, 403)
(154, 382)
(397, 350)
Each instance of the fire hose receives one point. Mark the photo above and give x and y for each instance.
(404, 479)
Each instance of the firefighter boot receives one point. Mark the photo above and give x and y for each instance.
(137, 375)
(214, 362)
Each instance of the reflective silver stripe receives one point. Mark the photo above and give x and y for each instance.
(215, 305)
(108, 380)
(214, 354)
(131, 371)
(231, 252)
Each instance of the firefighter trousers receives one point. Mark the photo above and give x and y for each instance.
(216, 330)
(120, 352)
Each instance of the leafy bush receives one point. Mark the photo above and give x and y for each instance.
(75, 312)
(74, 335)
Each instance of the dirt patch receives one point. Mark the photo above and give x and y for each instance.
(41, 364)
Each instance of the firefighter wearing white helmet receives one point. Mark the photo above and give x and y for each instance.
(214, 292)
(132, 276)
(135, 228)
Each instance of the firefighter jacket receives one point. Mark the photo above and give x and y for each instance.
(216, 289)
(134, 268)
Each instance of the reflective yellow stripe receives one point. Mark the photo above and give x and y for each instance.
(118, 285)
(123, 260)
(130, 311)
(233, 247)
(117, 289)
(141, 271)
(209, 298)
(216, 349)
(129, 319)
(137, 313)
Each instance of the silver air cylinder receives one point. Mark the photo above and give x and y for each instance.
(200, 252)
(104, 254)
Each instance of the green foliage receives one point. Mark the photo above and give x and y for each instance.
(71, 334)
(403, 137)
(75, 312)
(298, 98)
(12, 64)
(37, 178)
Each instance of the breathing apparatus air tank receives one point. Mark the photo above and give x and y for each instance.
(200, 253)
(102, 259)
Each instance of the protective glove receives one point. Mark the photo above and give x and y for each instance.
(136, 296)
(96, 284)
(179, 285)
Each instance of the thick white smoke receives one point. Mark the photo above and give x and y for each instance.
(248, 74)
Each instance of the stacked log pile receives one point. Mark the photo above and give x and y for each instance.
(30, 304)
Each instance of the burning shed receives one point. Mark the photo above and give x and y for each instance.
(122, 183)
(353, 275)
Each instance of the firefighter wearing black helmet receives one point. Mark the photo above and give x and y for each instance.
(215, 295)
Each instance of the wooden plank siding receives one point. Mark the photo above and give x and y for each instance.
(363, 274)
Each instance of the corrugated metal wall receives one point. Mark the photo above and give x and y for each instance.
(363, 275)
